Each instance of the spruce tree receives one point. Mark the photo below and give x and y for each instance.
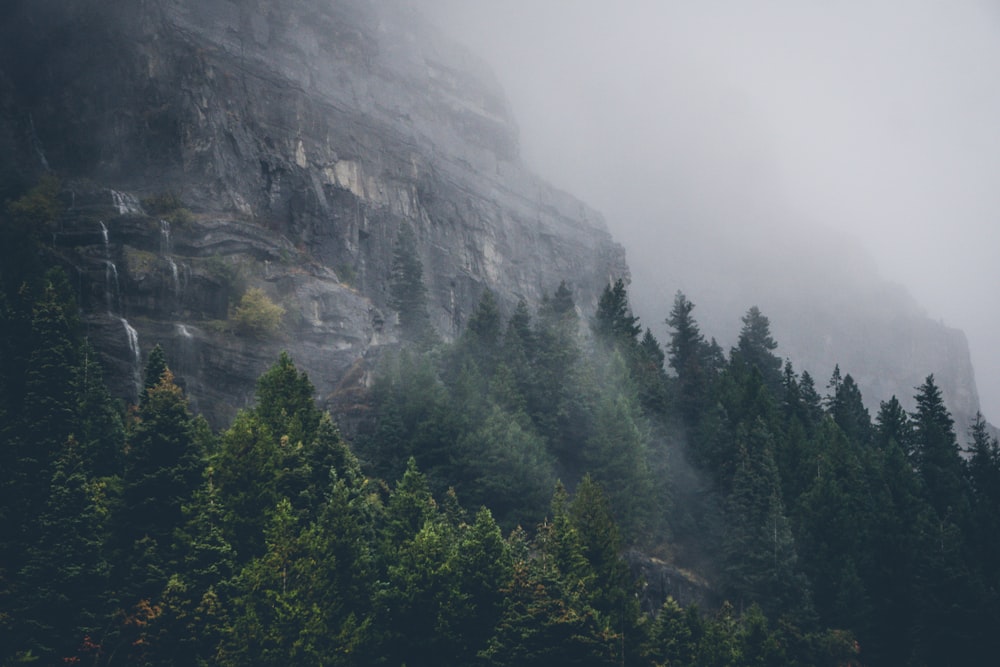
(163, 469)
(613, 322)
(755, 349)
(407, 292)
(937, 453)
(688, 356)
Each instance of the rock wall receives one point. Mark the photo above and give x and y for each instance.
(300, 135)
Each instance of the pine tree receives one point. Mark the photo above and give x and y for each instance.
(163, 469)
(407, 292)
(481, 338)
(687, 353)
(66, 580)
(848, 411)
(246, 471)
(49, 403)
(507, 468)
(156, 365)
(755, 349)
(485, 566)
(285, 402)
(99, 425)
(269, 612)
(613, 322)
(760, 552)
(834, 529)
(616, 452)
(612, 593)
(937, 454)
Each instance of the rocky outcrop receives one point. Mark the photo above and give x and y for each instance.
(300, 135)
(659, 580)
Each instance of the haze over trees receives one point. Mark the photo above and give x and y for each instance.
(483, 512)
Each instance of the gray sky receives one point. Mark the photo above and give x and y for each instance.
(881, 119)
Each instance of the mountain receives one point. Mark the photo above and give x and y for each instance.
(209, 147)
(828, 305)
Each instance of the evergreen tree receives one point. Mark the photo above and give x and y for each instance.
(612, 594)
(687, 353)
(546, 617)
(49, 401)
(407, 292)
(616, 453)
(246, 470)
(848, 411)
(892, 425)
(834, 530)
(613, 322)
(98, 420)
(760, 552)
(163, 469)
(485, 564)
(674, 636)
(937, 454)
(285, 402)
(650, 377)
(65, 583)
(270, 612)
(508, 468)
(811, 400)
(481, 338)
(755, 349)
(156, 365)
(561, 304)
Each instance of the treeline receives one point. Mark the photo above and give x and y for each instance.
(140, 537)
(730, 463)
(137, 535)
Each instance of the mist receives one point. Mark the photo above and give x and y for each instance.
(721, 138)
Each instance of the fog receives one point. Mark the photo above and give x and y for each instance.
(706, 130)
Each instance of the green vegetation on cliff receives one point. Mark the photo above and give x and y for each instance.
(483, 516)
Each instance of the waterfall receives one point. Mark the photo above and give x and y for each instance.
(176, 276)
(113, 300)
(165, 247)
(36, 143)
(187, 350)
(112, 291)
(125, 203)
(133, 346)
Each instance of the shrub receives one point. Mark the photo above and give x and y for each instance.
(256, 315)
(168, 206)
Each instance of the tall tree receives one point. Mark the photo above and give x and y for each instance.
(848, 411)
(614, 322)
(760, 552)
(481, 338)
(49, 404)
(66, 581)
(892, 425)
(755, 349)
(689, 356)
(163, 469)
(285, 401)
(937, 453)
(407, 292)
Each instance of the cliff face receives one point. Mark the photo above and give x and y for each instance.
(297, 136)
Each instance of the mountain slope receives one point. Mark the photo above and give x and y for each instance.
(209, 147)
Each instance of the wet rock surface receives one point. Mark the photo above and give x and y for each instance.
(298, 136)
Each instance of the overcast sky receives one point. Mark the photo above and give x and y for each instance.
(881, 119)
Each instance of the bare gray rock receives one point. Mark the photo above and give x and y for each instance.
(300, 134)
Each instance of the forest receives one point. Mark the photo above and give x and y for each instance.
(482, 511)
